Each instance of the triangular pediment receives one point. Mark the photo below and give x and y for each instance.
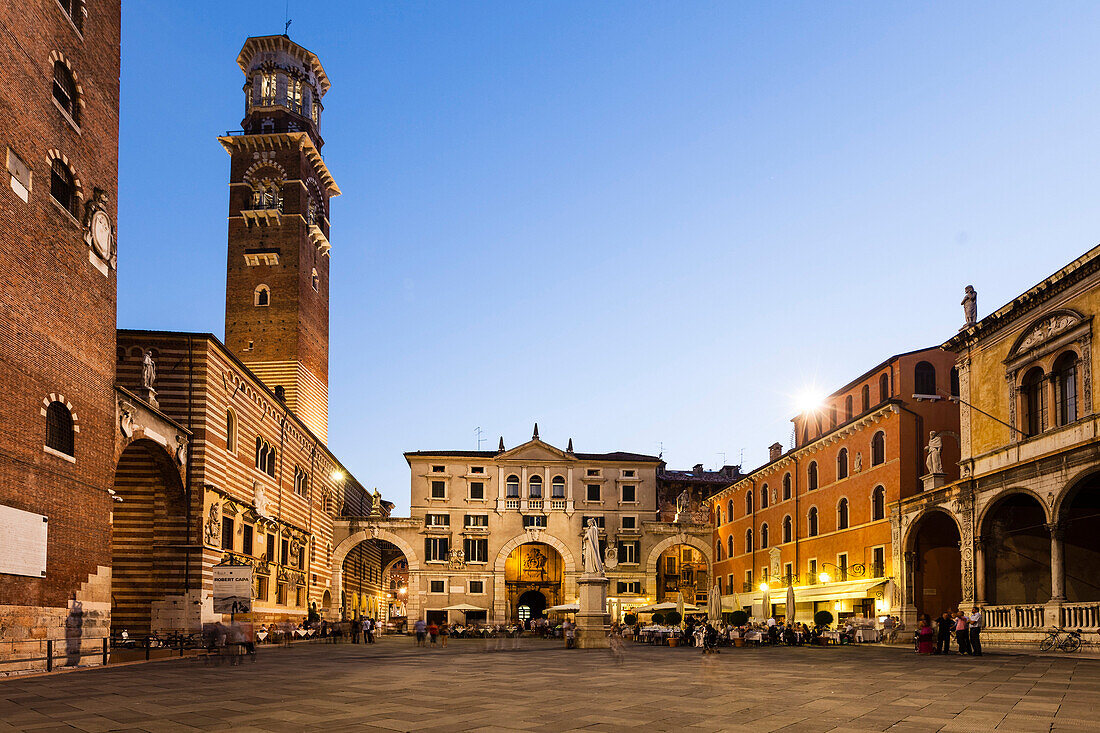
(535, 451)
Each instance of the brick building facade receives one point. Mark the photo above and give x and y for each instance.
(59, 114)
(817, 516)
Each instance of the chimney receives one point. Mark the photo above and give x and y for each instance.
(697, 469)
(774, 451)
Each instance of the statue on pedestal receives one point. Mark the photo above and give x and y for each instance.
(934, 462)
(970, 305)
(148, 370)
(683, 501)
(593, 563)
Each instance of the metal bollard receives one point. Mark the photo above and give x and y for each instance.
(106, 652)
(49, 655)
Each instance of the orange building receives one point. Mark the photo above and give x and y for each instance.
(818, 516)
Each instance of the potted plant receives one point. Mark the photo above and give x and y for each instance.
(658, 619)
(673, 619)
(630, 619)
(822, 618)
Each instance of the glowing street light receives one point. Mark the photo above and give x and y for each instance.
(823, 577)
(763, 587)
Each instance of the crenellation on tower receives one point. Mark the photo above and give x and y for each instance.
(276, 314)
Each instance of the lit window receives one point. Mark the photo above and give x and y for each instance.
(267, 89)
(294, 94)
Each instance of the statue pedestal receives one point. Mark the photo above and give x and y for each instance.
(149, 395)
(933, 481)
(593, 620)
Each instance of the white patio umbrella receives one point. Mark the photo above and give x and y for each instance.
(714, 604)
(790, 603)
(680, 606)
(666, 606)
(566, 608)
(766, 603)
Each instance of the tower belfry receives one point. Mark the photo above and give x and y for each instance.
(276, 299)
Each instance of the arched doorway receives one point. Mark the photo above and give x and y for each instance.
(366, 587)
(533, 579)
(682, 569)
(148, 540)
(1079, 520)
(531, 605)
(1017, 552)
(395, 579)
(935, 564)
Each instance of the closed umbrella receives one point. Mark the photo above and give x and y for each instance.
(766, 603)
(680, 606)
(790, 604)
(714, 604)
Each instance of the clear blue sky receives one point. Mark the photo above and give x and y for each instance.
(640, 224)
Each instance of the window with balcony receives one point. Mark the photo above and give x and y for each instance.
(557, 487)
(534, 487)
(511, 486)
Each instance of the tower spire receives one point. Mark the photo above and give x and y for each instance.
(535, 436)
(500, 448)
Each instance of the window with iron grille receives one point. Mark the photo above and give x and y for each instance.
(73, 9)
(59, 428)
(63, 186)
(64, 91)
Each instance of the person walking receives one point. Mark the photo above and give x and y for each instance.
(433, 632)
(974, 626)
(444, 632)
(567, 632)
(945, 625)
(962, 636)
(356, 626)
(421, 628)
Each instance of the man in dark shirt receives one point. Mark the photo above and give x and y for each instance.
(944, 626)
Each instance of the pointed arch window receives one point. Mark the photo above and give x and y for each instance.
(1065, 379)
(812, 522)
(265, 457)
(924, 378)
(878, 503)
(842, 514)
(878, 448)
(842, 464)
(787, 528)
(59, 428)
(811, 476)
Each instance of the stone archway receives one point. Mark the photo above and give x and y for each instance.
(523, 539)
(149, 558)
(1075, 529)
(659, 549)
(340, 553)
(933, 559)
(1016, 540)
(500, 588)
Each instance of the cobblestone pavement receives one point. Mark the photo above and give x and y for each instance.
(541, 687)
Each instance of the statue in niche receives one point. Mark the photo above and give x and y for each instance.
(213, 528)
(859, 462)
(258, 499)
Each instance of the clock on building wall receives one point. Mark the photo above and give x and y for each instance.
(99, 232)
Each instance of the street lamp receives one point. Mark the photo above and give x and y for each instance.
(763, 587)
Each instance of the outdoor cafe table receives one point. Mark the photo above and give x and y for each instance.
(754, 636)
(261, 635)
(833, 636)
(868, 634)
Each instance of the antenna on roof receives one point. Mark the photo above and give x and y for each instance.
(480, 440)
(286, 16)
(723, 460)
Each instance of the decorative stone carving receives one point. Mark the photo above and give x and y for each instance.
(1047, 329)
(259, 501)
(611, 557)
(126, 419)
(212, 531)
(99, 234)
(858, 462)
(181, 450)
(683, 501)
(457, 559)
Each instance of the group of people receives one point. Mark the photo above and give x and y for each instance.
(966, 628)
(366, 627)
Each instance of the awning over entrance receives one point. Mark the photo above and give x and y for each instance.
(820, 592)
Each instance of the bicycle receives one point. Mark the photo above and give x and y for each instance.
(1053, 640)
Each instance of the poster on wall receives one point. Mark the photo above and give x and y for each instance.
(22, 542)
(232, 589)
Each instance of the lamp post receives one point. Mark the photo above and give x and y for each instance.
(842, 573)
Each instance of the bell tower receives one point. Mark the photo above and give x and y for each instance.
(276, 295)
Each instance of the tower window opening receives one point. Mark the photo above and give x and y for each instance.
(262, 296)
(267, 89)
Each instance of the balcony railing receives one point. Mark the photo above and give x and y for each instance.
(534, 503)
(558, 504)
(511, 503)
(1080, 615)
(1015, 617)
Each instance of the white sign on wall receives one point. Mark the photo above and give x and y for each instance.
(232, 589)
(22, 542)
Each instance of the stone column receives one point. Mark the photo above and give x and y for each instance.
(1057, 563)
(979, 571)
